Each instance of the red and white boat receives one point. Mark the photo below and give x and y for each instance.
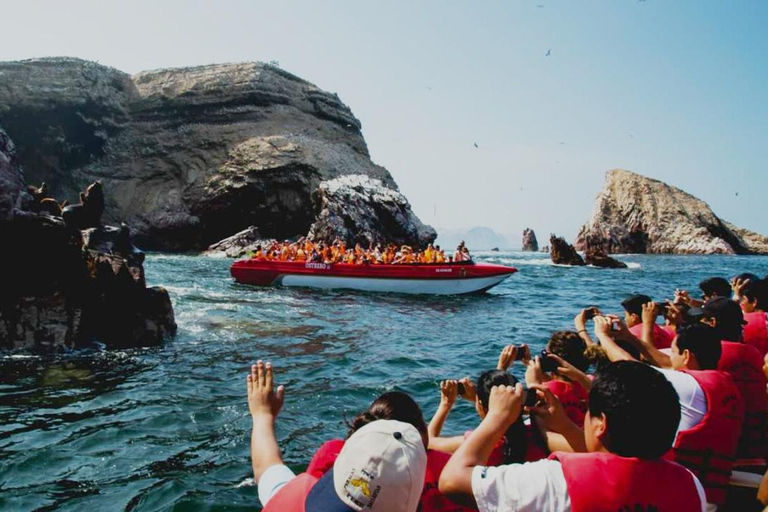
(437, 279)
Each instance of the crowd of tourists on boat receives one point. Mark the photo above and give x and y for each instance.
(651, 410)
(338, 252)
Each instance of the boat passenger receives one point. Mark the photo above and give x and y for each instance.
(633, 316)
(395, 448)
(753, 299)
(711, 405)
(429, 254)
(458, 255)
(518, 443)
(398, 406)
(744, 364)
(568, 381)
(465, 256)
(624, 396)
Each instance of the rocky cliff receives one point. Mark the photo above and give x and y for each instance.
(191, 155)
(64, 287)
(635, 214)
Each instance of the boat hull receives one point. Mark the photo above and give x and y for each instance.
(450, 279)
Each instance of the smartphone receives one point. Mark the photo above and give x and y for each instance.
(591, 312)
(548, 364)
(663, 308)
(460, 389)
(530, 398)
(521, 352)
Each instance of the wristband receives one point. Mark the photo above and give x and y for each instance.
(581, 331)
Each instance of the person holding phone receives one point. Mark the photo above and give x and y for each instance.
(519, 444)
(633, 316)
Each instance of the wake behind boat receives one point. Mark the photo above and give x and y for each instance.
(436, 279)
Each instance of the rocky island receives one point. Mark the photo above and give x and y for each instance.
(530, 243)
(635, 214)
(194, 155)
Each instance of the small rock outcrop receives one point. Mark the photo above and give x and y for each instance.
(563, 253)
(66, 287)
(191, 155)
(239, 244)
(597, 258)
(530, 243)
(635, 214)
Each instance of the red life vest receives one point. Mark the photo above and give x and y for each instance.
(661, 338)
(574, 398)
(604, 482)
(745, 365)
(756, 331)
(431, 497)
(292, 495)
(708, 449)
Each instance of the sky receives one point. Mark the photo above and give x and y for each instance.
(677, 91)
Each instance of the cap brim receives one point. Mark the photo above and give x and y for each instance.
(323, 497)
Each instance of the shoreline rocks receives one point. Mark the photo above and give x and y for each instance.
(530, 243)
(635, 214)
(597, 258)
(66, 288)
(192, 155)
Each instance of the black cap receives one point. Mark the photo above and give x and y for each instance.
(725, 310)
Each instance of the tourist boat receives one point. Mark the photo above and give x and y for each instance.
(437, 279)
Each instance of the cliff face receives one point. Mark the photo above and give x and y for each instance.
(635, 214)
(190, 155)
(11, 178)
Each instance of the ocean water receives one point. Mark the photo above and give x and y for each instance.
(167, 428)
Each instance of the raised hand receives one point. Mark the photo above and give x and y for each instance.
(449, 390)
(506, 403)
(470, 390)
(263, 400)
(534, 374)
(550, 412)
(650, 312)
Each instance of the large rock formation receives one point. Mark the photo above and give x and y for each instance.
(66, 288)
(563, 253)
(635, 214)
(529, 241)
(192, 155)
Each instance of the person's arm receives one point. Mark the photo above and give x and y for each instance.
(550, 418)
(264, 404)
(504, 407)
(580, 322)
(603, 332)
(534, 374)
(509, 355)
(654, 356)
(448, 392)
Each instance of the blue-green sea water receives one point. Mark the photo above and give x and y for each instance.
(167, 428)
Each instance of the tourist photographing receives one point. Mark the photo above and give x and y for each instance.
(712, 410)
(626, 398)
(633, 316)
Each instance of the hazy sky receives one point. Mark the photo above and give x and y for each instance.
(676, 90)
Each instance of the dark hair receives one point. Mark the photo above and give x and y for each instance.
(516, 440)
(747, 276)
(569, 346)
(715, 287)
(641, 407)
(729, 318)
(703, 342)
(634, 304)
(756, 291)
(394, 405)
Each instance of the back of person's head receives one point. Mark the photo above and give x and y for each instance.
(756, 292)
(394, 405)
(381, 468)
(634, 304)
(569, 346)
(516, 440)
(729, 319)
(703, 342)
(715, 287)
(641, 408)
(746, 276)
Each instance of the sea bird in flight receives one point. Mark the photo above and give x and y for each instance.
(549, 52)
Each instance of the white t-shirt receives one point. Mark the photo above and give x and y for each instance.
(693, 402)
(532, 486)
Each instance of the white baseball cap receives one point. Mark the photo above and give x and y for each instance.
(381, 468)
